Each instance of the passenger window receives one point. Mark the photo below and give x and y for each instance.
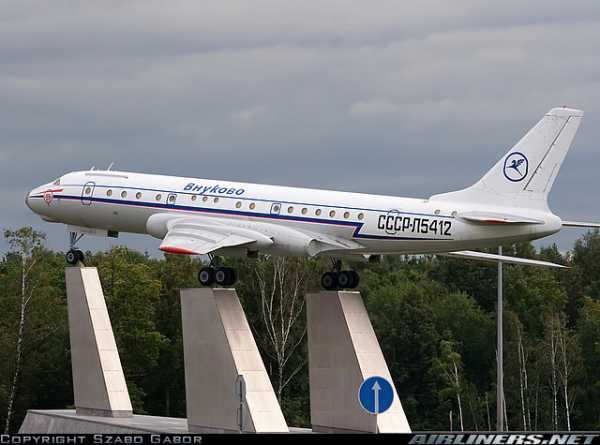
(204, 198)
(346, 215)
(158, 197)
(109, 192)
(318, 212)
(332, 213)
(194, 197)
(138, 195)
(304, 210)
(123, 194)
(172, 198)
(290, 209)
(361, 216)
(238, 204)
(216, 200)
(252, 206)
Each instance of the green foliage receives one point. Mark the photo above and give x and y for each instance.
(429, 314)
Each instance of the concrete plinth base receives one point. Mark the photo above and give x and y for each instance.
(64, 421)
(218, 348)
(98, 382)
(343, 351)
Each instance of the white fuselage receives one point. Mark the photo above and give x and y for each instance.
(124, 202)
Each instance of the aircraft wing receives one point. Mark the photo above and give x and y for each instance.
(497, 218)
(472, 255)
(198, 237)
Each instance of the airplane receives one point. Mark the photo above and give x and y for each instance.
(222, 218)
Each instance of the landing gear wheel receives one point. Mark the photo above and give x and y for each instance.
(329, 280)
(355, 279)
(73, 256)
(232, 277)
(345, 279)
(206, 276)
(225, 276)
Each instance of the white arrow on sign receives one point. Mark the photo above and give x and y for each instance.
(376, 388)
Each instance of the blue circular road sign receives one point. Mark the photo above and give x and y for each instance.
(375, 395)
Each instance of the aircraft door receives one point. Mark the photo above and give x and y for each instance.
(87, 192)
(171, 198)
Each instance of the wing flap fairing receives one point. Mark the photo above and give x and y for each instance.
(497, 218)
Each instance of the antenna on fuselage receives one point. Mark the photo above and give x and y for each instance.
(110, 166)
(93, 168)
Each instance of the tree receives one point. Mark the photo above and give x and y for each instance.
(281, 288)
(449, 364)
(588, 332)
(26, 244)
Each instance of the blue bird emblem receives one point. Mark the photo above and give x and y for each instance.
(516, 163)
(516, 167)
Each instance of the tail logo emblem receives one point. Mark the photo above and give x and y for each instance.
(516, 167)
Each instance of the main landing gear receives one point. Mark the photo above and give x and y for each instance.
(339, 279)
(74, 256)
(222, 276)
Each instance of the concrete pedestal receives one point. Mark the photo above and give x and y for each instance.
(98, 382)
(343, 351)
(218, 348)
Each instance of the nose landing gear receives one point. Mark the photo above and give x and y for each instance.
(339, 279)
(74, 256)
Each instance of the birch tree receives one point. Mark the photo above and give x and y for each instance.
(25, 244)
(450, 365)
(280, 284)
(523, 381)
(552, 356)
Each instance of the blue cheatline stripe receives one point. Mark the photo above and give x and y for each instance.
(357, 225)
(243, 198)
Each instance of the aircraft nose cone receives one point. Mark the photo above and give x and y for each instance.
(28, 201)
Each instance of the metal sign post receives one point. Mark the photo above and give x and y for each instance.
(499, 355)
(240, 391)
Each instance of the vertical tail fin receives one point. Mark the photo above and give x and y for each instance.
(525, 175)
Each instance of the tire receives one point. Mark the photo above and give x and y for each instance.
(355, 279)
(345, 279)
(232, 276)
(222, 276)
(329, 281)
(80, 255)
(72, 257)
(206, 276)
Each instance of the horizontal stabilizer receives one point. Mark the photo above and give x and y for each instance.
(471, 255)
(497, 218)
(584, 224)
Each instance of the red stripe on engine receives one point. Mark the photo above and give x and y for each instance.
(179, 250)
(495, 221)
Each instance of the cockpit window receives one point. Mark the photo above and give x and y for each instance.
(57, 182)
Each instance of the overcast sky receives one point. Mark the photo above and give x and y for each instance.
(393, 97)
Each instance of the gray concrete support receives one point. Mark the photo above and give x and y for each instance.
(98, 382)
(343, 351)
(218, 348)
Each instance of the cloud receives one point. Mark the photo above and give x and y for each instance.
(372, 108)
(248, 117)
(384, 97)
